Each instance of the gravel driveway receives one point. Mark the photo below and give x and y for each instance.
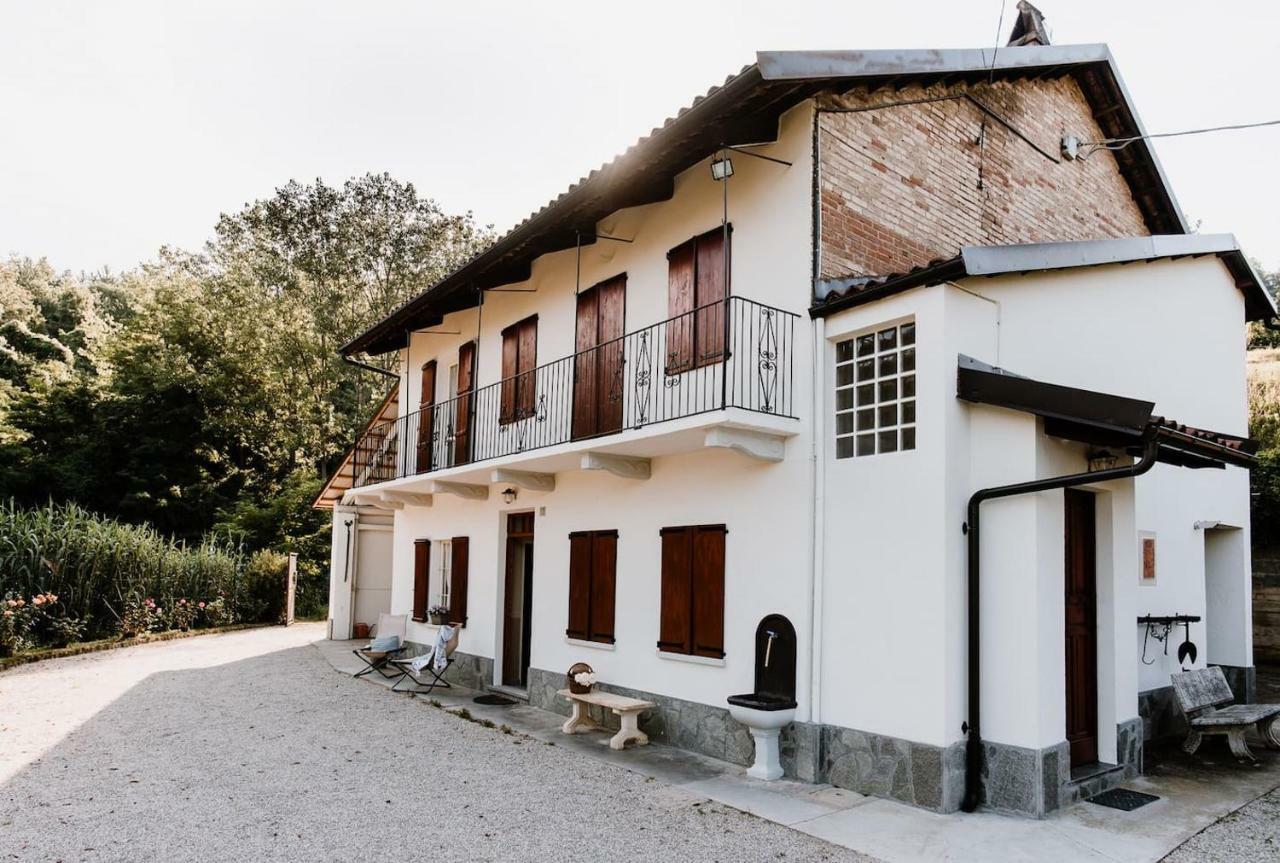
(1249, 835)
(249, 746)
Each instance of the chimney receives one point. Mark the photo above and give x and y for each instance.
(1029, 28)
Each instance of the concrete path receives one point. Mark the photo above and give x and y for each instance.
(1194, 794)
(248, 746)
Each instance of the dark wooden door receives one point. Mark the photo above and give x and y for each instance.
(517, 600)
(426, 417)
(1081, 628)
(463, 407)
(598, 365)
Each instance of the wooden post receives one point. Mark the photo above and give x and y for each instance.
(291, 589)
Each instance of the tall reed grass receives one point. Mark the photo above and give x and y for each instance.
(96, 566)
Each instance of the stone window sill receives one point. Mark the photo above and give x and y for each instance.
(594, 645)
(690, 658)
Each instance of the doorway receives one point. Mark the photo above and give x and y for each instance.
(1081, 626)
(517, 600)
(598, 363)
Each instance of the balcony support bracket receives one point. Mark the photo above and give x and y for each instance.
(407, 497)
(623, 466)
(754, 444)
(524, 479)
(374, 500)
(464, 490)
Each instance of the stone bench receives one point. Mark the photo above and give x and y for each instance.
(1210, 708)
(627, 709)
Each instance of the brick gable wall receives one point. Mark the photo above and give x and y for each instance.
(899, 185)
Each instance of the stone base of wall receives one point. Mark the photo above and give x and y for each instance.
(927, 776)
(1243, 680)
(1162, 719)
(931, 777)
(468, 670)
(1036, 782)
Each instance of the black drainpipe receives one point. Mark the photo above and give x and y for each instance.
(973, 787)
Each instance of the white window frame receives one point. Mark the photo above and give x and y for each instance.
(891, 360)
(444, 571)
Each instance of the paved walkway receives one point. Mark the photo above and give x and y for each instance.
(248, 746)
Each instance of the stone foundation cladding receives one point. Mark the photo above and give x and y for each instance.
(927, 776)
(468, 671)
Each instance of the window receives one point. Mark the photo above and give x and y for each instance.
(696, 288)
(421, 573)
(442, 579)
(519, 356)
(876, 392)
(692, 606)
(593, 562)
(454, 557)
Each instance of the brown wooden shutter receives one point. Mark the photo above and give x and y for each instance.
(458, 580)
(708, 295)
(675, 629)
(708, 590)
(604, 570)
(510, 363)
(584, 365)
(426, 417)
(527, 359)
(421, 576)
(579, 586)
(680, 304)
(463, 408)
(610, 357)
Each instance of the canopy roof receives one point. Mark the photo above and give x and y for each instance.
(1101, 419)
(745, 110)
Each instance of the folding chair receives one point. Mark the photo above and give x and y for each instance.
(428, 676)
(388, 626)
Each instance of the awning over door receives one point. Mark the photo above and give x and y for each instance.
(1101, 419)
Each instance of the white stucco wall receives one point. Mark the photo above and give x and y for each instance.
(766, 506)
(1169, 332)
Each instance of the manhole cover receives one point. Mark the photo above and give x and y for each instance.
(1123, 798)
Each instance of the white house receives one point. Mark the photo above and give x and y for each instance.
(940, 281)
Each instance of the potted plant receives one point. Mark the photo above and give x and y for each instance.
(438, 614)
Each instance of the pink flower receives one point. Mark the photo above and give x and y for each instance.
(182, 602)
(202, 605)
(8, 613)
(37, 600)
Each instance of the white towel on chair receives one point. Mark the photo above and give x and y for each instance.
(437, 655)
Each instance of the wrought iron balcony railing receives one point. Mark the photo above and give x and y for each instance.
(732, 354)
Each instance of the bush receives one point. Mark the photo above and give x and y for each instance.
(262, 592)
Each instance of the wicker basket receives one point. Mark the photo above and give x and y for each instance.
(574, 686)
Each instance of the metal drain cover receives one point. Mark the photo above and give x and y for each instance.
(1123, 799)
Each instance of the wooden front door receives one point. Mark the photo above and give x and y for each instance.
(1081, 628)
(426, 417)
(517, 600)
(463, 407)
(598, 364)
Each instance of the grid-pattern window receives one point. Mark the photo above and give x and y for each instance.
(876, 392)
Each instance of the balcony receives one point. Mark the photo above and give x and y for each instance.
(683, 373)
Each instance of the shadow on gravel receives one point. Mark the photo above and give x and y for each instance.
(280, 758)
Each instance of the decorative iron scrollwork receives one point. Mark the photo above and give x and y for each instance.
(767, 359)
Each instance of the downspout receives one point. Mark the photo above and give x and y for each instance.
(818, 451)
(973, 786)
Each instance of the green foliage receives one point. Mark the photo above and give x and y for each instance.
(204, 392)
(262, 591)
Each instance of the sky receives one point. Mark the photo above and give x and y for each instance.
(132, 124)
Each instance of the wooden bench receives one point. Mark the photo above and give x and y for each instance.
(627, 709)
(1210, 708)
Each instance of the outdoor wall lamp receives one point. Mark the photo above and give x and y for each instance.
(509, 494)
(721, 168)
